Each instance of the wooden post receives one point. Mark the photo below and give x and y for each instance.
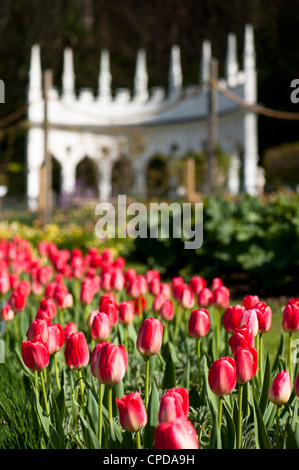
(47, 213)
(212, 126)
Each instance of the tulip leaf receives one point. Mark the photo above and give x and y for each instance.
(152, 417)
(230, 438)
(266, 385)
(261, 432)
(90, 438)
(169, 378)
(215, 440)
(185, 380)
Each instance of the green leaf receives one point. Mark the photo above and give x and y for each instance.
(152, 416)
(261, 432)
(169, 378)
(266, 385)
(230, 437)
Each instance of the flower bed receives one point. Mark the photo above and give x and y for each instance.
(103, 357)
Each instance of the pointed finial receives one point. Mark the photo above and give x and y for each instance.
(205, 61)
(68, 77)
(104, 93)
(35, 74)
(141, 77)
(175, 72)
(231, 60)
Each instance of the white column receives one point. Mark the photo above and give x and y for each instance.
(205, 67)
(68, 76)
(104, 81)
(175, 72)
(231, 61)
(234, 174)
(68, 178)
(250, 118)
(141, 78)
(35, 155)
(105, 183)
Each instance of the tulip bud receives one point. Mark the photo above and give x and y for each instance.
(165, 290)
(199, 323)
(111, 309)
(249, 318)
(249, 301)
(187, 298)
(205, 298)
(216, 282)
(232, 317)
(7, 313)
(241, 337)
(48, 304)
(38, 327)
(290, 321)
(264, 317)
(150, 336)
(221, 297)
(174, 404)
(158, 302)
(177, 434)
(197, 284)
(132, 412)
(43, 315)
(108, 363)
(296, 385)
(281, 388)
(222, 376)
(117, 280)
(246, 364)
(101, 326)
(76, 351)
(70, 328)
(90, 318)
(56, 338)
(126, 312)
(35, 354)
(167, 310)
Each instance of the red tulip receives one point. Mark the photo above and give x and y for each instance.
(216, 282)
(249, 318)
(249, 301)
(246, 364)
(35, 354)
(167, 310)
(17, 299)
(56, 338)
(126, 312)
(264, 317)
(174, 404)
(108, 363)
(199, 323)
(221, 297)
(76, 351)
(90, 318)
(140, 305)
(154, 286)
(177, 434)
(187, 298)
(150, 336)
(4, 283)
(48, 304)
(296, 385)
(87, 291)
(232, 317)
(132, 413)
(38, 327)
(101, 326)
(197, 284)
(290, 321)
(158, 302)
(165, 290)
(111, 309)
(281, 388)
(222, 376)
(117, 280)
(7, 313)
(70, 328)
(205, 298)
(43, 315)
(242, 336)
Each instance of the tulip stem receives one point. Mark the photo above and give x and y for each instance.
(100, 414)
(261, 356)
(290, 355)
(138, 446)
(126, 338)
(198, 362)
(81, 386)
(35, 379)
(277, 425)
(110, 413)
(220, 413)
(44, 392)
(146, 380)
(239, 431)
